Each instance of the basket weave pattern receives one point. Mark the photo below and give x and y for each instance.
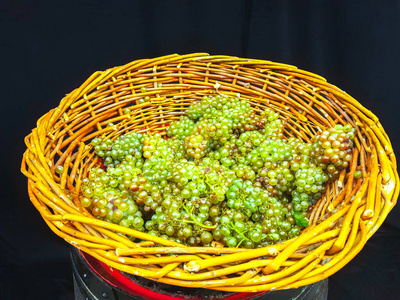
(340, 223)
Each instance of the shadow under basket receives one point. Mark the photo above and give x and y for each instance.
(156, 92)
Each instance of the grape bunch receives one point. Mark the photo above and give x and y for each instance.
(182, 128)
(223, 176)
(220, 117)
(332, 149)
(114, 152)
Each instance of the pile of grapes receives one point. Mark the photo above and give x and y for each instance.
(224, 176)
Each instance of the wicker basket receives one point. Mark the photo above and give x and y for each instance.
(340, 223)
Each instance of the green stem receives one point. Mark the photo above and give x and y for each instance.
(197, 223)
(233, 227)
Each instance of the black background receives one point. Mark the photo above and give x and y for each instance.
(48, 48)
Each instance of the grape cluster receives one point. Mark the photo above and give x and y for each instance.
(224, 176)
(114, 152)
(220, 117)
(181, 129)
(332, 149)
(107, 195)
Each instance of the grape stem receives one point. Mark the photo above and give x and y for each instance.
(233, 227)
(196, 222)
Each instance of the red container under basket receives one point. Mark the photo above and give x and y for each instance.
(96, 280)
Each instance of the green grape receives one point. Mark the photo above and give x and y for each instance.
(86, 202)
(59, 169)
(231, 242)
(206, 237)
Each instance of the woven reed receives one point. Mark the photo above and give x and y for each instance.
(340, 223)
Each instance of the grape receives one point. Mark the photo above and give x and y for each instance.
(59, 169)
(206, 237)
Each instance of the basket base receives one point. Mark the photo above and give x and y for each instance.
(95, 281)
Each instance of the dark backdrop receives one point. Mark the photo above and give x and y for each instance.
(48, 48)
